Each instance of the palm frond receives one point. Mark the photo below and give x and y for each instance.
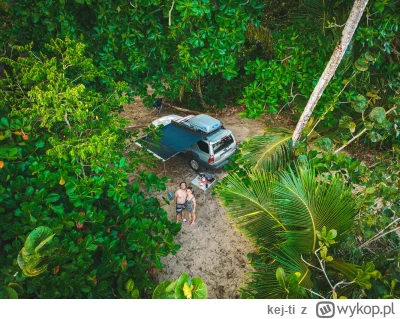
(291, 261)
(248, 203)
(294, 197)
(293, 204)
(270, 151)
(263, 283)
(307, 204)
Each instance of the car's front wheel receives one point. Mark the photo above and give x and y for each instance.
(194, 164)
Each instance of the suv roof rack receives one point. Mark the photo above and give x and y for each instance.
(184, 119)
(203, 124)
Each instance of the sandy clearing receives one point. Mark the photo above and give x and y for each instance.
(212, 249)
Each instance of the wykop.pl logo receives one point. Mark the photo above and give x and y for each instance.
(325, 309)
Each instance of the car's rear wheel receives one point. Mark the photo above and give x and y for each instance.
(194, 164)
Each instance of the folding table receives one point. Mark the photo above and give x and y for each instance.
(196, 182)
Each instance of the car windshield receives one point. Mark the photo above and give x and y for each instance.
(223, 143)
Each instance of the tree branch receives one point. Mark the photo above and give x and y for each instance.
(314, 293)
(290, 102)
(170, 11)
(381, 233)
(66, 119)
(286, 58)
(320, 119)
(323, 268)
(359, 134)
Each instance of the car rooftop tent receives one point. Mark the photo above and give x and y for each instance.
(176, 138)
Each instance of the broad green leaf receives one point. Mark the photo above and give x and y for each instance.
(199, 288)
(59, 209)
(331, 234)
(53, 197)
(370, 270)
(39, 144)
(323, 232)
(36, 237)
(130, 284)
(377, 114)
(32, 272)
(17, 287)
(324, 143)
(292, 285)
(360, 65)
(8, 293)
(43, 242)
(281, 277)
(4, 122)
(344, 121)
(374, 136)
(160, 291)
(135, 294)
(369, 56)
(359, 103)
(170, 289)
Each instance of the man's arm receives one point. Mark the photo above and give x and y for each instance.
(176, 197)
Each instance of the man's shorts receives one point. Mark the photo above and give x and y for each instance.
(179, 208)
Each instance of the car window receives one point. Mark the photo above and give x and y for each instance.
(224, 142)
(203, 146)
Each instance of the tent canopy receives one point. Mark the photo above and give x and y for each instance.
(176, 138)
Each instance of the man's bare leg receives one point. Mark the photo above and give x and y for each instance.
(183, 216)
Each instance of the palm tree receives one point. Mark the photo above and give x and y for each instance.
(282, 206)
(282, 213)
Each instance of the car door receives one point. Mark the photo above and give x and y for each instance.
(203, 151)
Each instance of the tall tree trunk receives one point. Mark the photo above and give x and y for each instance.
(347, 34)
(200, 93)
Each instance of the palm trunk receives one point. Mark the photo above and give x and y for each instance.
(347, 34)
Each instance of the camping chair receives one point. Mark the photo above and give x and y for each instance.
(157, 106)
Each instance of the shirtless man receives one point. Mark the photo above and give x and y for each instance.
(180, 200)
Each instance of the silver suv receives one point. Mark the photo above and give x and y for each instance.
(216, 147)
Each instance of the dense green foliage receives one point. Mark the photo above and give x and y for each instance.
(364, 94)
(171, 47)
(63, 167)
(72, 226)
